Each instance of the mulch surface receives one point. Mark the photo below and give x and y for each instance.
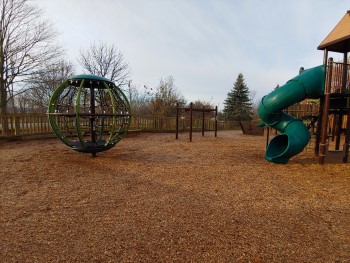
(156, 199)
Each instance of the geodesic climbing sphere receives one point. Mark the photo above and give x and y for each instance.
(89, 113)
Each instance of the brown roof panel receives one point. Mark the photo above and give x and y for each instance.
(338, 40)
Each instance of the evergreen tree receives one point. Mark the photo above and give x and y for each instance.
(238, 105)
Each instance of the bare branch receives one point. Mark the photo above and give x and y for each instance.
(41, 85)
(163, 102)
(106, 61)
(27, 42)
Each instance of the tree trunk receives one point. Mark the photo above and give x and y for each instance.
(3, 94)
(4, 120)
(3, 97)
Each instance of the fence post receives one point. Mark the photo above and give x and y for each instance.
(4, 125)
(17, 126)
(347, 140)
(203, 121)
(177, 121)
(216, 121)
(191, 122)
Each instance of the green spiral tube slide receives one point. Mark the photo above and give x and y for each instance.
(295, 135)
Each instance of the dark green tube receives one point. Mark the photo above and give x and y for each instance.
(295, 135)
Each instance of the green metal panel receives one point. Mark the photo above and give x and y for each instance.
(52, 108)
(113, 111)
(89, 77)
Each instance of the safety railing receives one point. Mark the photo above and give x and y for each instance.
(340, 78)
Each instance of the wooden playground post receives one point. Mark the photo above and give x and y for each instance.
(345, 71)
(320, 112)
(338, 129)
(267, 136)
(343, 90)
(177, 120)
(216, 121)
(326, 112)
(334, 126)
(347, 139)
(191, 104)
(319, 127)
(347, 134)
(203, 121)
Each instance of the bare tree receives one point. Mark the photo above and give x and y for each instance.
(139, 101)
(23, 103)
(27, 42)
(106, 61)
(199, 104)
(42, 85)
(255, 104)
(163, 102)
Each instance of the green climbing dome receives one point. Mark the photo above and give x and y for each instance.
(89, 113)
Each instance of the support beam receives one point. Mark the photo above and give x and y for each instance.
(216, 121)
(325, 113)
(203, 121)
(320, 112)
(347, 140)
(191, 105)
(177, 121)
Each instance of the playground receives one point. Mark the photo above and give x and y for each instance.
(156, 199)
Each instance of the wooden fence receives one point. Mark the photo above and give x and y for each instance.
(300, 110)
(34, 123)
(24, 124)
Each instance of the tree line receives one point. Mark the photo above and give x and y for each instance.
(32, 65)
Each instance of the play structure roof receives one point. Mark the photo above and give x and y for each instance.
(338, 40)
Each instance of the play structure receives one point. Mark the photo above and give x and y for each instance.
(89, 113)
(329, 83)
(191, 110)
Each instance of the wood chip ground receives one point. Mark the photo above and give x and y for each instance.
(156, 199)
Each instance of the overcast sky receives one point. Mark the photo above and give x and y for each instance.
(203, 44)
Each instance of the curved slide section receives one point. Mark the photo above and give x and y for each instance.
(295, 135)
